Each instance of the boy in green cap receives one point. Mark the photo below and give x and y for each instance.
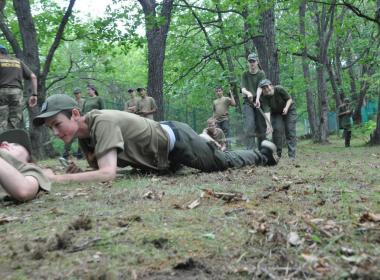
(19, 177)
(254, 122)
(111, 139)
(283, 115)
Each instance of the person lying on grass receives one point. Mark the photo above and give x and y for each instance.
(19, 177)
(111, 139)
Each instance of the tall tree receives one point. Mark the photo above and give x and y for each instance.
(157, 22)
(310, 102)
(324, 21)
(266, 43)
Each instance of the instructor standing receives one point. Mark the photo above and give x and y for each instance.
(12, 72)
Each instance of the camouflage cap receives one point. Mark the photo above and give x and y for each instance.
(53, 105)
(346, 99)
(77, 90)
(264, 83)
(17, 136)
(252, 56)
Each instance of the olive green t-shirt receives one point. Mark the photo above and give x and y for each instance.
(92, 103)
(140, 142)
(132, 102)
(146, 104)
(12, 71)
(276, 103)
(28, 169)
(251, 81)
(220, 108)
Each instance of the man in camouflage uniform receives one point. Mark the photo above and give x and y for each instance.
(254, 122)
(345, 120)
(220, 110)
(12, 72)
(283, 115)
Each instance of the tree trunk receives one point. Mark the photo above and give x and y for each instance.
(313, 120)
(266, 45)
(324, 20)
(156, 33)
(375, 137)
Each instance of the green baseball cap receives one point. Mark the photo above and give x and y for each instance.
(252, 56)
(53, 105)
(264, 83)
(17, 136)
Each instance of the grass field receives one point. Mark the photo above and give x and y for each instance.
(316, 217)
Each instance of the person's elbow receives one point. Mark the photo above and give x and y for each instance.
(25, 194)
(33, 77)
(107, 174)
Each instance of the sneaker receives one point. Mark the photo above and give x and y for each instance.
(269, 150)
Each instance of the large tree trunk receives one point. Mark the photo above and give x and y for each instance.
(375, 139)
(324, 20)
(310, 102)
(156, 33)
(266, 45)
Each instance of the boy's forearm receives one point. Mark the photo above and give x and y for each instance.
(16, 184)
(89, 176)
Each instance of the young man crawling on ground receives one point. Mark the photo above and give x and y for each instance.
(111, 139)
(19, 177)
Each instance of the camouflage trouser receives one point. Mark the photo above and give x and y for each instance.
(10, 108)
(285, 125)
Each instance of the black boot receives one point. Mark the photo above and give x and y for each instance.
(347, 138)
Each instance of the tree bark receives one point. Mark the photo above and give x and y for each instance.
(266, 45)
(157, 28)
(310, 101)
(324, 20)
(375, 139)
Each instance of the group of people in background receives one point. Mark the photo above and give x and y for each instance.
(266, 108)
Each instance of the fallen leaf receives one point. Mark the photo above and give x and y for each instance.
(209, 236)
(194, 204)
(369, 217)
(355, 259)
(154, 195)
(310, 258)
(294, 239)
